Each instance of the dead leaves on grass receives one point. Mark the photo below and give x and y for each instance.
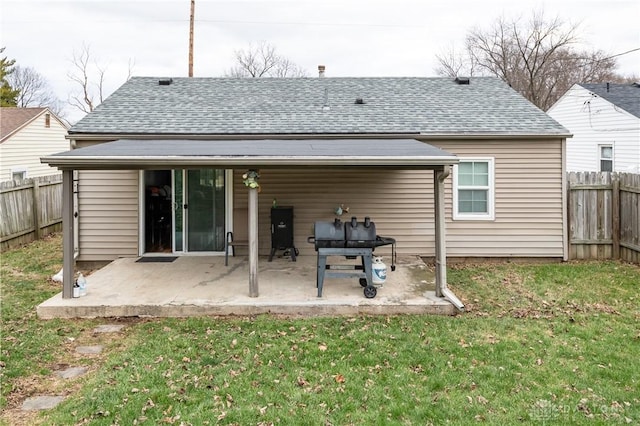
(502, 291)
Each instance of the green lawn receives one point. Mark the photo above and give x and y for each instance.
(540, 344)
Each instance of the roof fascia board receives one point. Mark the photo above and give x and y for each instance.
(111, 162)
(420, 136)
(182, 136)
(477, 136)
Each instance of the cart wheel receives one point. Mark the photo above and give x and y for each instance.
(363, 282)
(370, 292)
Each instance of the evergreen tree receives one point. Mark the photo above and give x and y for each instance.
(8, 95)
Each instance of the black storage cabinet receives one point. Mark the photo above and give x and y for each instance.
(282, 231)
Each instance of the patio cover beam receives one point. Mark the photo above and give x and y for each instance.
(161, 153)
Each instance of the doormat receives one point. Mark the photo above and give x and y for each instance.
(157, 259)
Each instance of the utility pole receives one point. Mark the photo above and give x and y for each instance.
(193, 7)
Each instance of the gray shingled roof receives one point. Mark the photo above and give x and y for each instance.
(625, 96)
(313, 106)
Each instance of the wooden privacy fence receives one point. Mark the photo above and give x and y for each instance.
(604, 216)
(30, 209)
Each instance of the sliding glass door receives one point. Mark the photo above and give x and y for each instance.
(199, 210)
(205, 210)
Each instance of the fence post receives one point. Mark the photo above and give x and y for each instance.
(36, 209)
(615, 216)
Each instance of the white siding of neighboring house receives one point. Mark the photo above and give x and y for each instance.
(595, 121)
(23, 149)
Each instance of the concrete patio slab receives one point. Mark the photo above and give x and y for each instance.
(202, 285)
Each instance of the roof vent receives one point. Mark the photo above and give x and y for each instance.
(359, 101)
(462, 80)
(325, 106)
(165, 81)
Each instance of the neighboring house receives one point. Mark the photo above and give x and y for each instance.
(604, 119)
(161, 164)
(26, 134)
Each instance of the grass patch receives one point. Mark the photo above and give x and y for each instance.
(541, 344)
(29, 346)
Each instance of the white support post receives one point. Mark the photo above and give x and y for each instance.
(253, 242)
(439, 176)
(442, 290)
(68, 267)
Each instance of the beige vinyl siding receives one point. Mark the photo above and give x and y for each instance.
(528, 201)
(528, 204)
(108, 215)
(24, 148)
(399, 202)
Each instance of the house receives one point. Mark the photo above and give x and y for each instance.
(26, 134)
(605, 121)
(161, 163)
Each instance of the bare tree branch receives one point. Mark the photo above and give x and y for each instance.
(452, 63)
(80, 75)
(535, 57)
(262, 61)
(130, 66)
(34, 90)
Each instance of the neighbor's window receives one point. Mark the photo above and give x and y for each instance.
(606, 158)
(473, 189)
(18, 173)
(47, 120)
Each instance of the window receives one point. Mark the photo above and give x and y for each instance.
(606, 157)
(473, 189)
(47, 120)
(18, 173)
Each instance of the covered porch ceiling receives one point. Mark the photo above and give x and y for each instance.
(140, 154)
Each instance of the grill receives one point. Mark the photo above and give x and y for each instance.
(352, 239)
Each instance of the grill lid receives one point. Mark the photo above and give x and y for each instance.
(360, 234)
(329, 230)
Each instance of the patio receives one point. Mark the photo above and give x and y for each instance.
(202, 285)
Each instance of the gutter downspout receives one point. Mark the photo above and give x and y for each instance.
(441, 254)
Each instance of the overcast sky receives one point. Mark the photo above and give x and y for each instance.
(350, 37)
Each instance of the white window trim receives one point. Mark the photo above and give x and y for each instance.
(20, 169)
(490, 215)
(600, 158)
